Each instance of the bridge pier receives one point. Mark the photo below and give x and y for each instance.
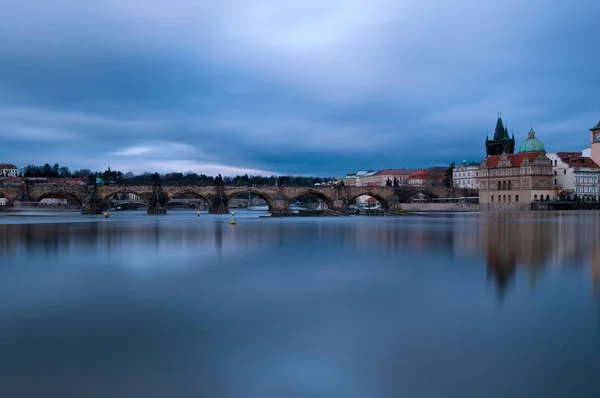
(341, 204)
(157, 210)
(394, 205)
(93, 205)
(280, 205)
(157, 202)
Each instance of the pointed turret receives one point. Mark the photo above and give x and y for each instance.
(499, 131)
(501, 143)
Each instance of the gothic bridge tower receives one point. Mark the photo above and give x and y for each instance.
(501, 143)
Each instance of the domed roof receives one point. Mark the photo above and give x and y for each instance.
(532, 144)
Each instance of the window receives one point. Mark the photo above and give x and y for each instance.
(516, 198)
(565, 171)
(509, 199)
(534, 197)
(499, 198)
(555, 162)
(555, 183)
(492, 199)
(504, 198)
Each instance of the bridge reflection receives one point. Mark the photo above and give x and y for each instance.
(513, 246)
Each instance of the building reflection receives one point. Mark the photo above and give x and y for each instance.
(534, 242)
(508, 243)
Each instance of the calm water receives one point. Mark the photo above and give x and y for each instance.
(180, 306)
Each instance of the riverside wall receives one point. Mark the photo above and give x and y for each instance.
(463, 207)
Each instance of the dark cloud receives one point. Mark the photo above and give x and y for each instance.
(310, 87)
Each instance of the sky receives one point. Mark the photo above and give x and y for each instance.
(310, 87)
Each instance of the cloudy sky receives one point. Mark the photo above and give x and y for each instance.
(314, 87)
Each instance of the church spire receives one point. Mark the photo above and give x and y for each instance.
(499, 131)
(501, 142)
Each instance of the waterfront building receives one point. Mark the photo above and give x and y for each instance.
(595, 143)
(363, 178)
(432, 176)
(516, 179)
(419, 178)
(501, 142)
(464, 176)
(54, 200)
(381, 177)
(8, 170)
(575, 174)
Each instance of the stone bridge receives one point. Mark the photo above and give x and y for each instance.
(95, 199)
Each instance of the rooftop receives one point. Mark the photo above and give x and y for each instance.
(394, 172)
(532, 144)
(576, 159)
(7, 166)
(516, 159)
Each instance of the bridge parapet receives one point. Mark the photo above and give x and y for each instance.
(94, 199)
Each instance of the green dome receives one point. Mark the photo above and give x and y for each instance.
(532, 144)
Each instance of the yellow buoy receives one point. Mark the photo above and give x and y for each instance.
(232, 222)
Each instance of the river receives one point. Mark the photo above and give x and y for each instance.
(463, 305)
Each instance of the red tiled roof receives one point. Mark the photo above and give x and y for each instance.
(419, 174)
(7, 166)
(575, 159)
(394, 172)
(516, 159)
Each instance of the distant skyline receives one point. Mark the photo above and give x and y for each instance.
(311, 87)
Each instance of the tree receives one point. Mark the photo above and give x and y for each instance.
(448, 175)
(388, 183)
(155, 178)
(82, 173)
(64, 172)
(396, 182)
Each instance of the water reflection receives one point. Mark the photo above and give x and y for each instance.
(348, 307)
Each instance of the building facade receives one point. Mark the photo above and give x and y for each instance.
(519, 178)
(575, 174)
(8, 170)
(595, 143)
(465, 175)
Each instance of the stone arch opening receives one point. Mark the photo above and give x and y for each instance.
(310, 200)
(4, 200)
(368, 200)
(59, 199)
(250, 200)
(187, 200)
(126, 200)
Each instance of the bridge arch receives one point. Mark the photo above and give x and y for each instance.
(254, 192)
(65, 194)
(110, 196)
(379, 198)
(315, 193)
(197, 195)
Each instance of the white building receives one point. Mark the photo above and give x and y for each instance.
(54, 200)
(363, 178)
(575, 174)
(8, 170)
(464, 175)
(3, 201)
